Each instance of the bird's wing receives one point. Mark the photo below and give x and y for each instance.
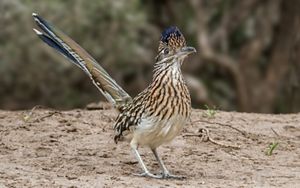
(78, 56)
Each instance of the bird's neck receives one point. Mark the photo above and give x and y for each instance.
(171, 69)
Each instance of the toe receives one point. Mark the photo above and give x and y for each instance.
(171, 176)
(148, 174)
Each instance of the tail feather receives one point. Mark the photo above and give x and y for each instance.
(78, 56)
(52, 43)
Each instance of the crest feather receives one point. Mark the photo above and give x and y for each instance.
(172, 31)
(172, 38)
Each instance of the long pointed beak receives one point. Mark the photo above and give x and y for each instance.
(188, 50)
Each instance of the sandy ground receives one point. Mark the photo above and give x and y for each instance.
(75, 148)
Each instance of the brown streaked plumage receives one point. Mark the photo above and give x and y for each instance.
(157, 114)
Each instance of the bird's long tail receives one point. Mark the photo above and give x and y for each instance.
(78, 56)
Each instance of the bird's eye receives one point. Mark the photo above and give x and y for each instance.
(166, 51)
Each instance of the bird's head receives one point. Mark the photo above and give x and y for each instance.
(172, 46)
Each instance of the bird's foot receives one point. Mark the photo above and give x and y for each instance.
(161, 176)
(171, 176)
(148, 174)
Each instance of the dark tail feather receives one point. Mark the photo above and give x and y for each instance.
(59, 45)
(71, 50)
(52, 43)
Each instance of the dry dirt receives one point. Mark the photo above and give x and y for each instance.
(48, 148)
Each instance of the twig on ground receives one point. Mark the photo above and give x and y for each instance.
(205, 136)
(27, 116)
(223, 124)
(46, 116)
(275, 132)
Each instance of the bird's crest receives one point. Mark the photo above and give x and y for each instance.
(172, 38)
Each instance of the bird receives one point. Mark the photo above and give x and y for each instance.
(157, 114)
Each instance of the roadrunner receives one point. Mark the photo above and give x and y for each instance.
(158, 113)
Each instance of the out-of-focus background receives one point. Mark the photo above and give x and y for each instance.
(248, 51)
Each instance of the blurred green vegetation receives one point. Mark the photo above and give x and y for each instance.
(234, 69)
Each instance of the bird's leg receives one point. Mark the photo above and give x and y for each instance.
(165, 172)
(146, 173)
